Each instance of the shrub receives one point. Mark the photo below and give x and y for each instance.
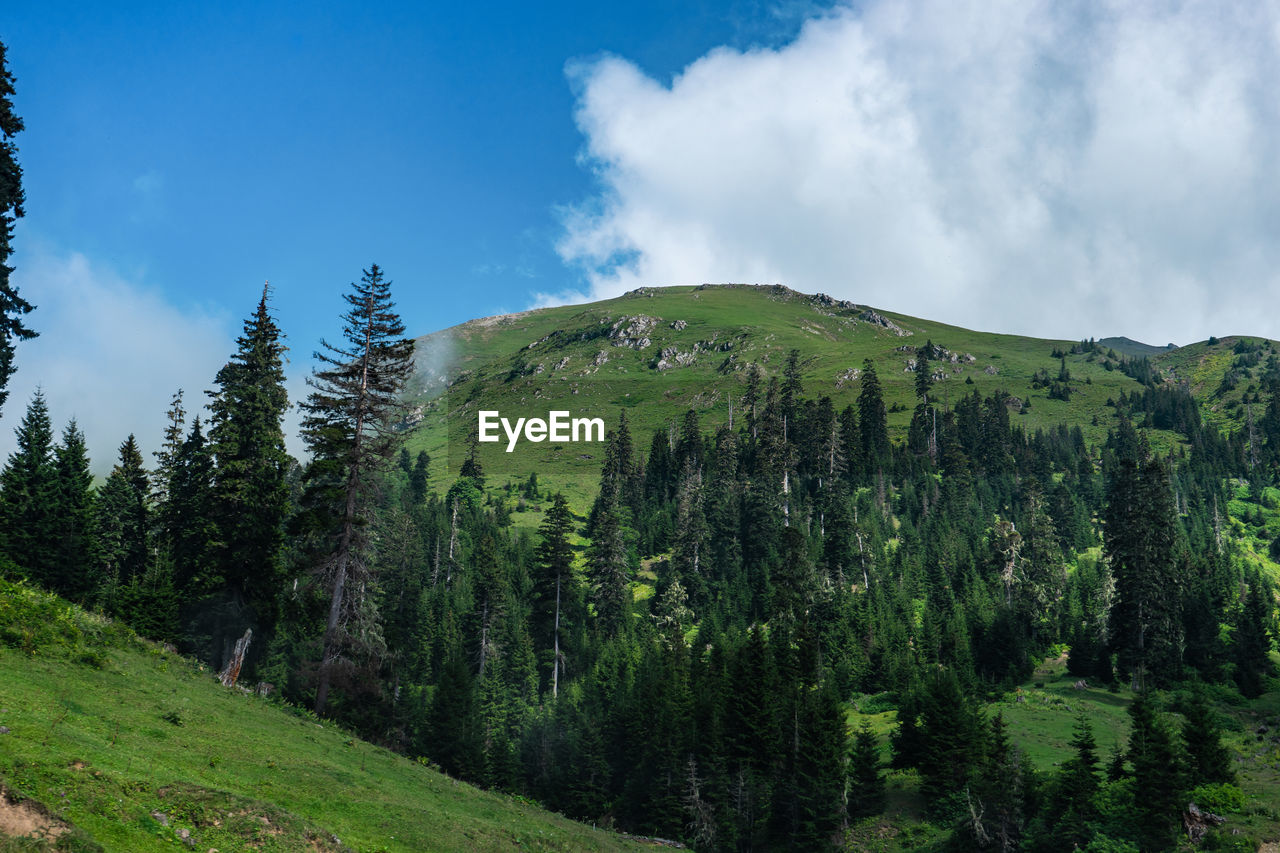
(877, 703)
(1222, 798)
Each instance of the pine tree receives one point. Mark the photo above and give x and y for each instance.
(609, 569)
(618, 481)
(418, 477)
(1139, 539)
(452, 724)
(28, 495)
(12, 306)
(688, 555)
(751, 399)
(688, 453)
(76, 551)
(996, 798)
(1155, 774)
(251, 496)
(1042, 574)
(149, 603)
(552, 584)
(724, 505)
(1250, 643)
(866, 782)
(188, 528)
(492, 596)
(352, 428)
(949, 736)
(124, 515)
(752, 740)
(821, 747)
(166, 456)
(1208, 761)
(872, 420)
(922, 436)
(1080, 773)
(792, 387)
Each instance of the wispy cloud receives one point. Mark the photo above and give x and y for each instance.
(111, 352)
(1048, 168)
(553, 300)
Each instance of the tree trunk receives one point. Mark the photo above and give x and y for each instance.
(555, 659)
(343, 555)
(229, 675)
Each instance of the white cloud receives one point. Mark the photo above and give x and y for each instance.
(1046, 168)
(110, 354)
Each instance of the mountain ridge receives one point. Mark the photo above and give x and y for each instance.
(656, 352)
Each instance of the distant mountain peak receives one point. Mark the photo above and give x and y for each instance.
(1128, 346)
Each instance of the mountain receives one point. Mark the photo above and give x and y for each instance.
(658, 352)
(1128, 346)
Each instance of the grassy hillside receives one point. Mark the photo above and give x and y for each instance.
(657, 352)
(114, 743)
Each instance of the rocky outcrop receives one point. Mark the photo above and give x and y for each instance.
(826, 301)
(671, 357)
(633, 332)
(869, 316)
(849, 376)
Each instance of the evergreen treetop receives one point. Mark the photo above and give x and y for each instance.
(12, 198)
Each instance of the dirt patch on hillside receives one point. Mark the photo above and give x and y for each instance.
(25, 819)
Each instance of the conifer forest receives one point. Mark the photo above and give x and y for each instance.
(787, 620)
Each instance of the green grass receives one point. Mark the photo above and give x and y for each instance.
(529, 363)
(107, 731)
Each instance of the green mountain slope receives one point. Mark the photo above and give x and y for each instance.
(657, 352)
(114, 743)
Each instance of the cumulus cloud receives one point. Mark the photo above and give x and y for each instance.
(1055, 169)
(110, 354)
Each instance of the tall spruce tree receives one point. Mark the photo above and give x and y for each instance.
(166, 456)
(76, 551)
(1250, 641)
(187, 521)
(553, 586)
(608, 556)
(819, 758)
(872, 420)
(1208, 761)
(688, 559)
(251, 496)
(1139, 539)
(1156, 774)
(866, 782)
(12, 197)
(609, 569)
(28, 494)
(124, 515)
(418, 477)
(351, 427)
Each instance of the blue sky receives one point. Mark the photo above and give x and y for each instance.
(179, 154)
(202, 148)
(1064, 170)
